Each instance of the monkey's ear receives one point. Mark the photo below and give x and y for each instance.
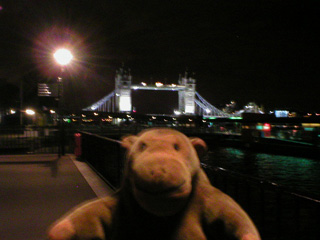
(128, 141)
(200, 146)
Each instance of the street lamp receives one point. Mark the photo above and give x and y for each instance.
(63, 57)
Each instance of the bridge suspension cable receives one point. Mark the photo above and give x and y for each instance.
(105, 104)
(206, 109)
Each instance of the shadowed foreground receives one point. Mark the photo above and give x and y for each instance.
(35, 191)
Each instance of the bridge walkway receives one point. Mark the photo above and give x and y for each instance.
(35, 190)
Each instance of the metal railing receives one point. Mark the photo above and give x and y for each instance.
(105, 156)
(18, 140)
(278, 213)
(36, 140)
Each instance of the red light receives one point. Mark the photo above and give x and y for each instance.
(266, 127)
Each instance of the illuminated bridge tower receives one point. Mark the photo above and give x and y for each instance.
(187, 95)
(123, 82)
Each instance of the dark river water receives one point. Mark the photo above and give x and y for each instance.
(298, 174)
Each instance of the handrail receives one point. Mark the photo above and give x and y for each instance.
(101, 137)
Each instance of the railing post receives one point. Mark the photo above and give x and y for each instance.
(317, 210)
(262, 206)
(236, 190)
(248, 200)
(278, 213)
(297, 218)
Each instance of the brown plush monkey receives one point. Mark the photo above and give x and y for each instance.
(165, 195)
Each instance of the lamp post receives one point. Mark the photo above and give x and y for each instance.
(63, 57)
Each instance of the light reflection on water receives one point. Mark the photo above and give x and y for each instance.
(300, 174)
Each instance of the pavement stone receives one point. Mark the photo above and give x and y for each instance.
(35, 190)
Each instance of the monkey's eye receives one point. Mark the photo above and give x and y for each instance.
(176, 147)
(142, 146)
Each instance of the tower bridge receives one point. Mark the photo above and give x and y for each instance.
(190, 101)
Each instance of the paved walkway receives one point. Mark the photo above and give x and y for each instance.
(35, 190)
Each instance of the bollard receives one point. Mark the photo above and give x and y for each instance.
(77, 148)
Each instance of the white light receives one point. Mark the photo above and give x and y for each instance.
(52, 111)
(176, 112)
(143, 84)
(63, 56)
(159, 84)
(12, 111)
(30, 112)
(189, 109)
(125, 104)
(208, 110)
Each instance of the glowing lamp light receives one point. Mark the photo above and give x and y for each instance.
(159, 84)
(125, 104)
(94, 107)
(30, 112)
(266, 127)
(63, 56)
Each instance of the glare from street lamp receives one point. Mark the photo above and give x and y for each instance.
(30, 112)
(63, 56)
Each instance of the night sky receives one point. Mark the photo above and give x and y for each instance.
(265, 51)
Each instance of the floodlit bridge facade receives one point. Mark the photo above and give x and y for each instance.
(190, 101)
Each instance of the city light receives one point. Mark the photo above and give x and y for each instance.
(125, 104)
(159, 84)
(63, 56)
(267, 127)
(30, 112)
(189, 109)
